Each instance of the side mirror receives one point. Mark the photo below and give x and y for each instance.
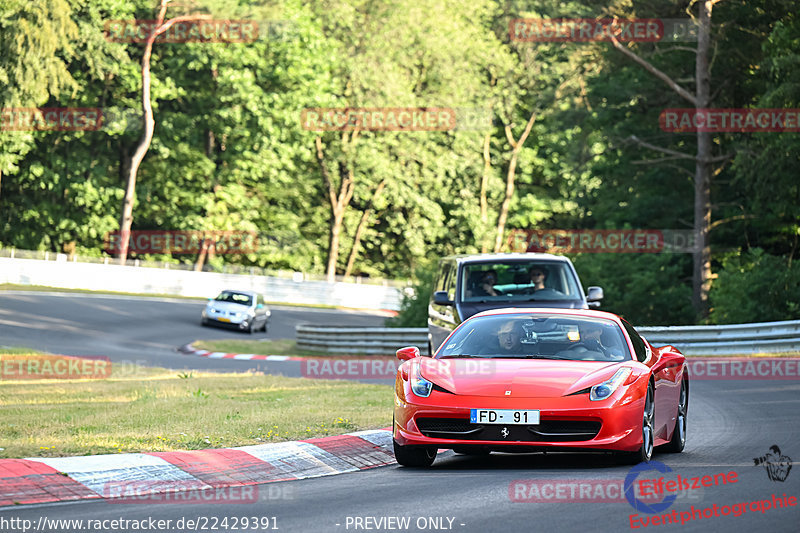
(407, 353)
(595, 294)
(441, 298)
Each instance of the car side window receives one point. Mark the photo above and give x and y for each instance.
(638, 344)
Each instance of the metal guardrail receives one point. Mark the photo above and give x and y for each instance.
(360, 340)
(763, 337)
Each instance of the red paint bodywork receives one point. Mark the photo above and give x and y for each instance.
(545, 385)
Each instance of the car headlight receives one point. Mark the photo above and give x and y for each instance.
(603, 390)
(419, 385)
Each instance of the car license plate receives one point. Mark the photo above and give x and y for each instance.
(223, 319)
(503, 416)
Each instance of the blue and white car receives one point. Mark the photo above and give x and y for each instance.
(244, 310)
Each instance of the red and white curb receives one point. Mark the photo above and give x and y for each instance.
(39, 480)
(188, 349)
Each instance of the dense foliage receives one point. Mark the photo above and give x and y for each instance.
(229, 151)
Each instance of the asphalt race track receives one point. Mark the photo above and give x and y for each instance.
(730, 424)
(143, 330)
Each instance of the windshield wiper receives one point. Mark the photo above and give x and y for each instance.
(460, 355)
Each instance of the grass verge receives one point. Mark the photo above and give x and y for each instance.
(143, 409)
(262, 347)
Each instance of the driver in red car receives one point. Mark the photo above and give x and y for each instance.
(509, 337)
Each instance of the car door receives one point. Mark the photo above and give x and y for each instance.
(261, 310)
(441, 321)
(663, 378)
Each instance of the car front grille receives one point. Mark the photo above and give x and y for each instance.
(545, 431)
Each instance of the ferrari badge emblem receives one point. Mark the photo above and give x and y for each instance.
(508, 393)
(504, 432)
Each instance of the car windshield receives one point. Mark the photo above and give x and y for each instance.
(519, 281)
(538, 336)
(234, 297)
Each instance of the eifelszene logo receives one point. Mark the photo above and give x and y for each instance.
(777, 465)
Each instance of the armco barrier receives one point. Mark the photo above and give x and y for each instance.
(764, 337)
(360, 340)
(94, 276)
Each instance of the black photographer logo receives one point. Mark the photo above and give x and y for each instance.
(777, 465)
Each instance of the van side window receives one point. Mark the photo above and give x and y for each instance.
(638, 344)
(440, 279)
(450, 283)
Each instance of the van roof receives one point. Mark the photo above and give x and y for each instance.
(484, 258)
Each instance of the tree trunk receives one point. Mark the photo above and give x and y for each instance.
(362, 225)
(201, 256)
(339, 200)
(510, 178)
(701, 257)
(701, 275)
(487, 166)
(126, 218)
(210, 145)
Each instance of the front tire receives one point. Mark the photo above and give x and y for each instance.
(414, 456)
(678, 441)
(645, 451)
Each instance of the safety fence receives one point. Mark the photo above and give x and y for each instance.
(764, 337)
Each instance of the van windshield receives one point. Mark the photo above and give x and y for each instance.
(518, 281)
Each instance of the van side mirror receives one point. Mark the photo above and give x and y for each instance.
(594, 295)
(441, 298)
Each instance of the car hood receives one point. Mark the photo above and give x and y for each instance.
(229, 306)
(525, 378)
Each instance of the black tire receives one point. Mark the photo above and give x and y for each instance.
(251, 327)
(414, 456)
(203, 322)
(645, 451)
(678, 441)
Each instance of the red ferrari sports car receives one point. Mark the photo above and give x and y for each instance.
(523, 380)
